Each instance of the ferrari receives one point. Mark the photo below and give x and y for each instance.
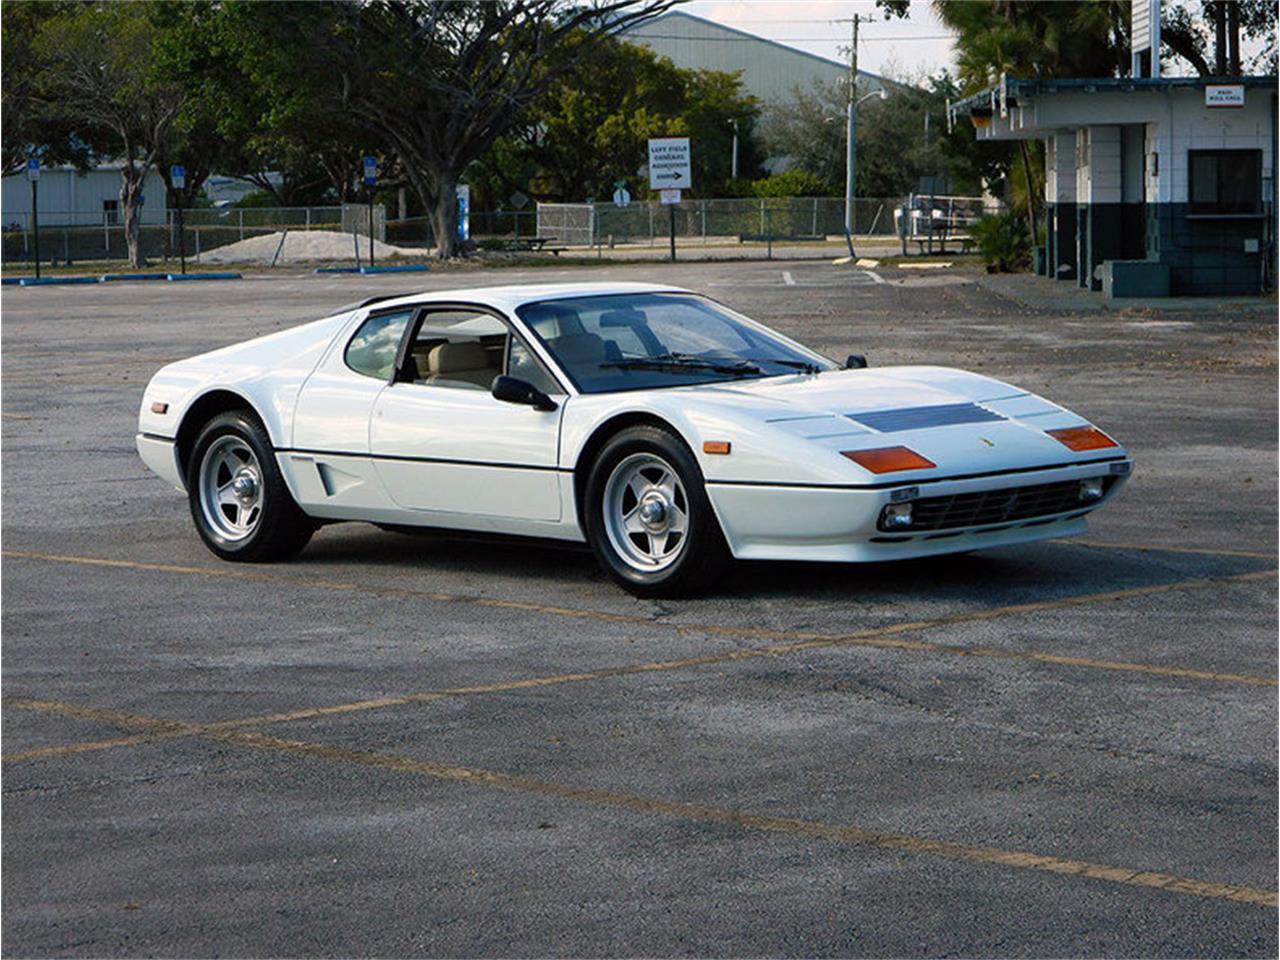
(669, 432)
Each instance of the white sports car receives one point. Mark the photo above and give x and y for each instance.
(666, 430)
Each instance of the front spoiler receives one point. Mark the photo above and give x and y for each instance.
(160, 454)
(780, 522)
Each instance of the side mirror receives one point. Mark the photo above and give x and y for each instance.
(855, 361)
(515, 390)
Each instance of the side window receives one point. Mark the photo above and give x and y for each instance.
(458, 349)
(522, 363)
(372, 351)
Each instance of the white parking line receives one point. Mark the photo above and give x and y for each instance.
(874, 276)
(788, 279)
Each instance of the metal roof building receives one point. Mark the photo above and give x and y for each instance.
(770, 71)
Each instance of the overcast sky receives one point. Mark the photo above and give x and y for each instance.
(905, 49)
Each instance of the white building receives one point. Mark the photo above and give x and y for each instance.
(68, 198)
(770, 71)
(1168, 182)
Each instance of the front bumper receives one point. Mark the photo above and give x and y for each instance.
(780, 522)
(160, 454)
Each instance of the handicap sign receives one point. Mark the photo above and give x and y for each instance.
(33, 169)
(178, 176)
(370, 171)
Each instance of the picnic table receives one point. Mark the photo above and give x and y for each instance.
(532, 245)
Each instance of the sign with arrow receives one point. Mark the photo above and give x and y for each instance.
(621, 196)
(669, 167)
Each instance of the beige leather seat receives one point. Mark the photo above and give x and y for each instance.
(464, 364)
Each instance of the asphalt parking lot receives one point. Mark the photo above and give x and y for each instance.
(441, 746)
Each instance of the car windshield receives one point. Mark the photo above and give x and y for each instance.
(639, 341)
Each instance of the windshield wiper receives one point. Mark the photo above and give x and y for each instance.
(681, 361)
(804, 365)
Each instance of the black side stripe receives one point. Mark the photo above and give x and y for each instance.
(460, 463)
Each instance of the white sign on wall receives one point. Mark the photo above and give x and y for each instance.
(669, 164)
(1224, 95)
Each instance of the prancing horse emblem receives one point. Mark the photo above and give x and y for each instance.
(986, 441)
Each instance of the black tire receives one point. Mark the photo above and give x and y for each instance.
(700, 553)
(278, 529)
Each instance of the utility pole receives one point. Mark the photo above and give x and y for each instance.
(851, 128)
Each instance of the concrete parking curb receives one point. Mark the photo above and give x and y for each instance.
(406, 268)
(54, 281)
(203, 276)
(112, 277)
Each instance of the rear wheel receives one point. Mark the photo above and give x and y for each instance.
(648, 518)
(239, 501)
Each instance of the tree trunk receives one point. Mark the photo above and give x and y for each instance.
(1031, 190)
(444, 218)
(131, 180)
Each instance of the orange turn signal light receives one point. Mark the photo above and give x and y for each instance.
(719, 447)
(888, 459)
(1082, 438)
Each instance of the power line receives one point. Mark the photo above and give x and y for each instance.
(672, 36)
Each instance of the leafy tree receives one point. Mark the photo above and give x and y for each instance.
(900, 140)
(29, 129)
(591, 126)
(254, 111)
(96, 77)
(439, 81)
(1192, 36)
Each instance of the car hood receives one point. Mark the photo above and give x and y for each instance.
(962, 422)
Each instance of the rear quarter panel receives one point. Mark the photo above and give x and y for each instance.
(267, 372)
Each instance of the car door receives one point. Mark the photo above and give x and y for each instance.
(442, 443)
(328, 462)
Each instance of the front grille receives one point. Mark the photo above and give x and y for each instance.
(917, 418)
(987, 507)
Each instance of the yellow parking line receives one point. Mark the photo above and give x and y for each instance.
(877, 638)
(1162, 548)
(701, 813)
(785, 642)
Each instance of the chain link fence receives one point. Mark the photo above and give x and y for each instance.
(715, 221)
(70, 237)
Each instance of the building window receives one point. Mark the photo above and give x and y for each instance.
(111, 212)
(1225, 181)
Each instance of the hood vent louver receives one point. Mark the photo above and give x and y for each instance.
(919, 418)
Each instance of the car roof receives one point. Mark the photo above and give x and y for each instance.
(508, 298)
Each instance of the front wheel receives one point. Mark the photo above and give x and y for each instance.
(239, 501)
(648, 518)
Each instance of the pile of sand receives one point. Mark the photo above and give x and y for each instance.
(301, 246)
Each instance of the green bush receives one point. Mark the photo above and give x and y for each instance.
(792, 183)
(1002, 240)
